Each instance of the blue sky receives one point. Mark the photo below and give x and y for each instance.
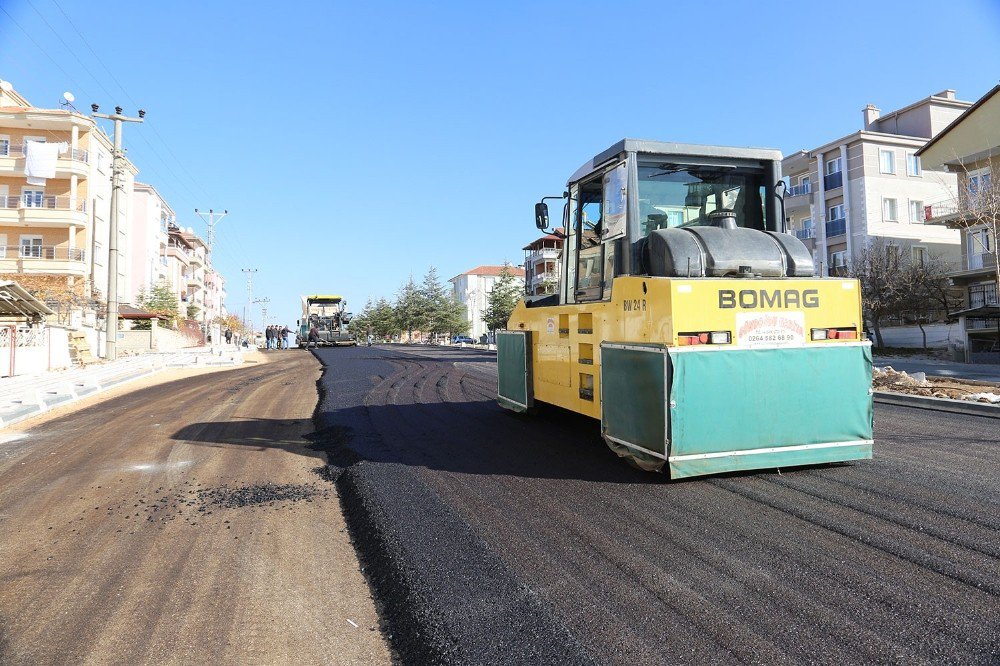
(355, 143)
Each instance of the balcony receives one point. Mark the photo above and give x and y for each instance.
(805, 234)
(179, 253)
(799, 190)
(975, 261)
(833, 180)
(940, 213)
(836, 227)
(197, 259)
(43, 259)
(42, 211)
(73, 162)
(544, 253)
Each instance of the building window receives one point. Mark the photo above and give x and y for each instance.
(32, 198)
(979, 180)
(836, 212)
(838, 263)
(916, 211)
(912, 165)
(4, 145)
(889, 213)
(833, 166)
(31, 246)
(892, 255)
(918, 255)
(887, 161)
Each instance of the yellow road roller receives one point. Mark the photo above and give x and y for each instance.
(688, 323)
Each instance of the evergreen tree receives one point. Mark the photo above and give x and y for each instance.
(161, 300)
(411, 308)
(383, 319)
(500, 302)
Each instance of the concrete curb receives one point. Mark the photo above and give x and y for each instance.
(938, 404)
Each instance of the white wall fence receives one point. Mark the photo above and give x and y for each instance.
(939, 336)
(26, 351)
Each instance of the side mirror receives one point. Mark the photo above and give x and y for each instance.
(542, 215)
(780, 188)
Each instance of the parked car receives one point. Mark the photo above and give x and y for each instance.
(462, 339)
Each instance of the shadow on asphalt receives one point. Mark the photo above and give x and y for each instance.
(554, 445)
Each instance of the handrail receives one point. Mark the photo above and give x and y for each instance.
(44, 252)
(75, 154)
(46, 201)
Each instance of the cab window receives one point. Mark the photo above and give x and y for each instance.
(590, 250)
(673, 195)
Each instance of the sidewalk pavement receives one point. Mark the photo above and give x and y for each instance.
(982, 372)
(24, 396)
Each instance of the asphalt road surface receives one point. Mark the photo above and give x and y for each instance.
(893, 560)
(181, 523)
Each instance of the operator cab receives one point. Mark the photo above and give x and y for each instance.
(673, 210)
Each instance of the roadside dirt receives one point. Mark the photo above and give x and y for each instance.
(180, 522)
(888, 379)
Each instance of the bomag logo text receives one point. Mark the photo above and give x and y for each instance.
(765, 299)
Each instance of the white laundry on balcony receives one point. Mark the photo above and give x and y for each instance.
(40, 160)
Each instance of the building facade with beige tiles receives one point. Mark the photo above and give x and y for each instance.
(54, 238)
(870, 184)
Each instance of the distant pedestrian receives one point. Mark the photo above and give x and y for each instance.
(286, 343)
(268, 337)
(229, 336)
(313, 336)
(371, 339)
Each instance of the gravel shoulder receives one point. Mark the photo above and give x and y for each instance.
(180, 522)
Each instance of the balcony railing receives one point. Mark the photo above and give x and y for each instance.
(937, 210)
(976, 260)
(798, 190)
(75, 154)
(833, 180)
(11, 201)
(836, 227)
(805, 234)
(48, 252)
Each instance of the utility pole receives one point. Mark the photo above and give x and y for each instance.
(263, 311)
(111, 325)
(211, 220)
(249, 272)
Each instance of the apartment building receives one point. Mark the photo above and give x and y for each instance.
(969, 148)
(472, 289)
(148, 236)
(871, 184)
(542, 264)
(54, 232)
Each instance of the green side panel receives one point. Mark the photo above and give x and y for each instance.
(744, 399)
(514, 383)
(698, 467)
(633, 400)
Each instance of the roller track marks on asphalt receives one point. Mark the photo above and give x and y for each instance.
(892, 560)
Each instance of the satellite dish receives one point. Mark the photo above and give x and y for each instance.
(68, 96)
(6, 86)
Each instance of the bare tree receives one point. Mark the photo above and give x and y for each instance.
(884, 286)
(926, 291)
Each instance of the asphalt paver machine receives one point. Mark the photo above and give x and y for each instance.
(688, 322)
(328, 315)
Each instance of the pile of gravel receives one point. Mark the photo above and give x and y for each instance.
(258, 494)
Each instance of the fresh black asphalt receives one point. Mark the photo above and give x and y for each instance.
(496, 538)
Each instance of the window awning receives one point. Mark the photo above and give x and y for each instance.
(15, 301)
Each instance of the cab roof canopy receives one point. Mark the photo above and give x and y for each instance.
(684, 151)
(324, 298)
